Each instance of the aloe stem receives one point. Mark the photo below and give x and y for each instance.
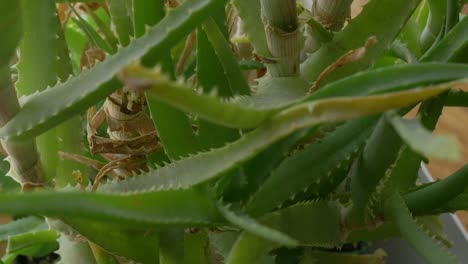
(281, 26)
(332, 13)
(23, 154)
(24, 161)
(37, 68)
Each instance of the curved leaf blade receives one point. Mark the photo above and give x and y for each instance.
(383, 19)
(34, 244)
(428, 248)
(52, 106)
(311, 166)
(312, 224)
(455, 40)
(236, 217)
(250, 13)
(168, 208)
(207, 166)
(422, 141)
(23, 225)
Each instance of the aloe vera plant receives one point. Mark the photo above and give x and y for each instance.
(242, 155)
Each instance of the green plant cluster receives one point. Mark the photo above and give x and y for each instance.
(293, 166)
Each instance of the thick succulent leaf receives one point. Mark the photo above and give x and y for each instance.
(434, 24)
(166, 208)
(259, 168)
(242, 220)
(132, 243)
(409, 36)
(383, 19)
(49, 108)
(394, 78)
(422, 141)
(372, 170)
(250, 13)
(179, 95)
(276, 92)
(312, 224)
(311, 166)
(171, 251)
(433, 196)
(176, 136)
(250, 113)
(20, 226)
(454, 41)
(314, 256)
(457, 98)
(34, 244)
(103, 26)
(92, 35)
(229, 63)
(212, 78)
(195, 249)
(414, 233)
(207, 166)
(10, 28)
(74, 251)
(459, 203)
(121, 19)
(273, 93)
(402, 174)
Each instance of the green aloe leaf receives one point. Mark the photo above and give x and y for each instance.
(212, 78)
(121, 19)
(250, 13)
(422, 141)
(311, 166)
(207, 166)
(138, 244)
(77, 94)
(383, 19)
(34, 244)
(11, 30)
(311, 256)
(93, 36)
(311, 223)
(459, 203)
(439, 193)
(235, 216)
(434, 24)
(166, 208)
(245, 113)
(20, 226)
(457, 98)
(173, 126)
(454, 41)
(229, 63)
(414, 233)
